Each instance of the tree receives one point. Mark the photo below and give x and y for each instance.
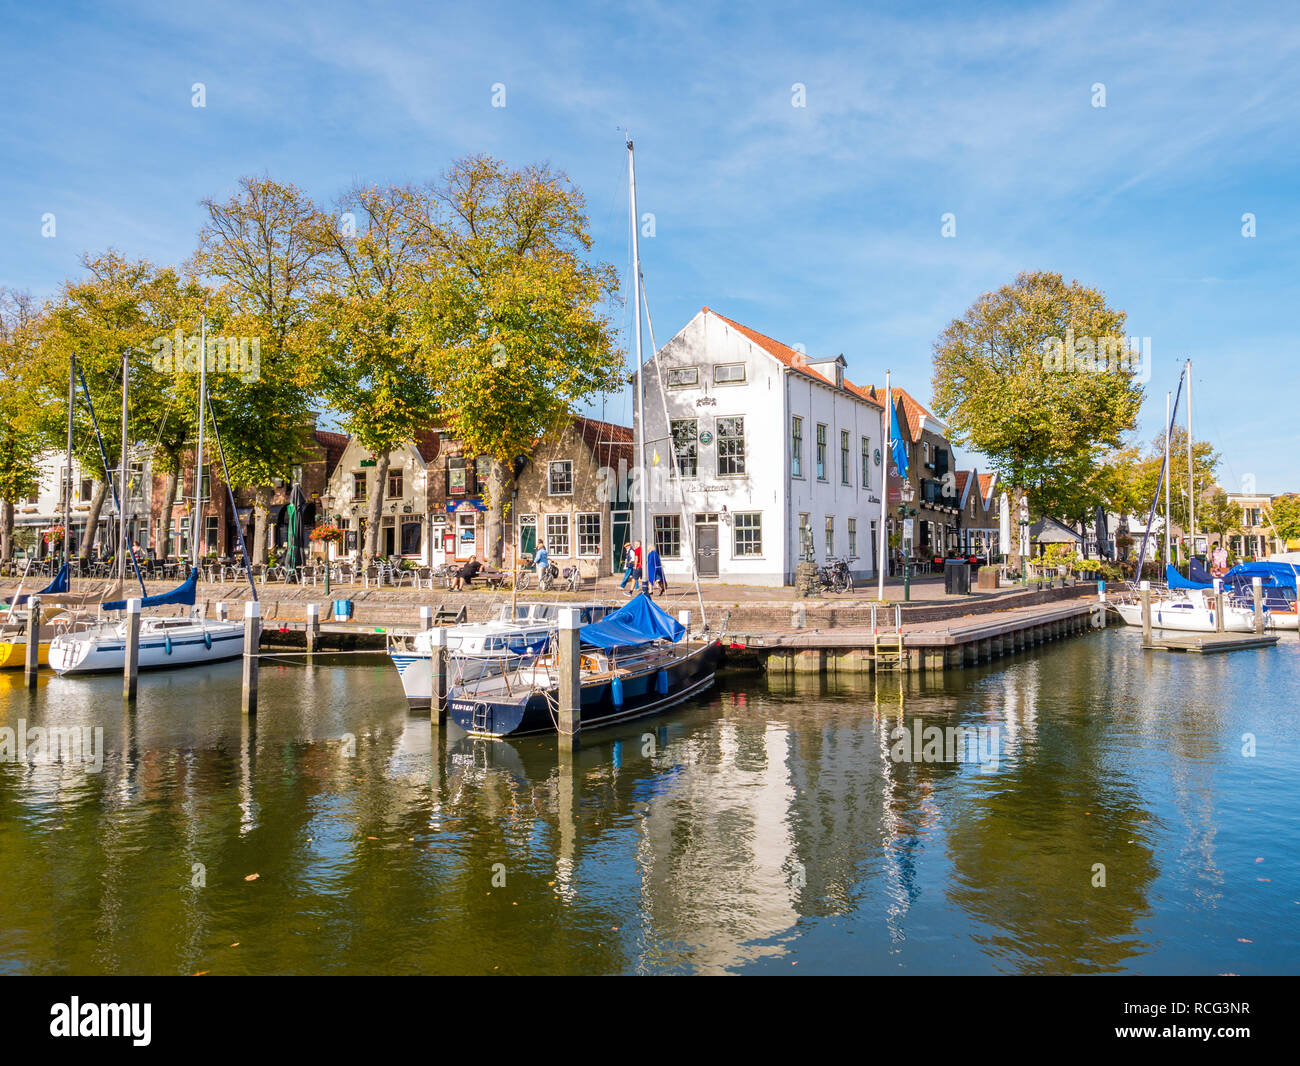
(1036, 376)
(258, 247)
(369, 366)
(1218, 514)
(514, 337)
(1285, 515)
(24, 393)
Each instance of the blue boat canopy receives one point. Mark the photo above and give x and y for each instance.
(1275, 575)
(639, 621)
(1177, 581)
(61, 583)
(1196, 572)
(184, 593)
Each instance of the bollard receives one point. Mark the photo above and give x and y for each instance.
(569, 668)
(426, 617)
(131, 661)
(1257, 591)
(1101, 592)
(1144, 591)
(221, 610)
(32, 664)
(438, 678)
(684, 618)
(252, 640)
(313, 627)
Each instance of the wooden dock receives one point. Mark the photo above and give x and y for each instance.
(1210, 643)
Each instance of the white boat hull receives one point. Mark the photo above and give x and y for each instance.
(103, 650)
(1187, 617)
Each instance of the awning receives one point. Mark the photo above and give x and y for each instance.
(244, 513)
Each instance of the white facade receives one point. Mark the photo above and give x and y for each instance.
(45, 509)
(754, 483)
(408, 527)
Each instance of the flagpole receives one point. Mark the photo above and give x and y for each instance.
(882, 559)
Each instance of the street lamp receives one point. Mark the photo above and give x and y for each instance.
(904, 511)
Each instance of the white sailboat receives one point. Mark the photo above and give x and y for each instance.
(184, 640)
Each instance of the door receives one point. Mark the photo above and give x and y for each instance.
(621, 522)
(466, 535)
(706, 549)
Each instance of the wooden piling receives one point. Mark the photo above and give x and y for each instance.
(222, 613)
(438, 670)
(252, 640)
(1257, 591)
(131, 660)
(313, 627)
(1144, 592)
(32, 664)
(570, 694)
(426, 617)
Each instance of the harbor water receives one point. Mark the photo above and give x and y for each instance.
(1081, 807)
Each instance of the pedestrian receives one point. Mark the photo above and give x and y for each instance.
(629, 564)
(636, 567)
(654, 572)
(541, 562)
(1219, 561)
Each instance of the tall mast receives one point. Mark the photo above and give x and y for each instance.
(122, 546)
(1191, 471)
(638, 384)
(882, 557)
(67, 498)
(1169, 525)
(197, 521)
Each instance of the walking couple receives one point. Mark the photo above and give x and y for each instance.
(633, 571)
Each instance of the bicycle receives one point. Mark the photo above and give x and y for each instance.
(546, 579)
(835, 576)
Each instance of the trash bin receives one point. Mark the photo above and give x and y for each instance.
(342, 610)
(956, 577)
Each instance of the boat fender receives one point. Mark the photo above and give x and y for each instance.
(616, 691)
(661, 682)
(168, 643)
(207, 640)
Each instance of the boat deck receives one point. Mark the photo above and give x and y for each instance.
(1207, 643)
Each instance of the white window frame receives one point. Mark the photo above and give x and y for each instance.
(681, 371)
(552, 538)
(830, 537)
(846, 464)
(600, 535)
(866, 462)
(739, 552)
(820, 437)
(673, 521)
(550, 477)
(718, 457)
(720, 379)
(796, 446)
(853, 538)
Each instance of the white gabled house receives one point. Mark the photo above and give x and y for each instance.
(760, 456)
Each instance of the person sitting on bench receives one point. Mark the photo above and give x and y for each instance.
(466, 574)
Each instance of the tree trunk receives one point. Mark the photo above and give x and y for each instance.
(92, 519)
(163, 531)
(494, 519)
(261, 510)
(375, 507)
(6, 531)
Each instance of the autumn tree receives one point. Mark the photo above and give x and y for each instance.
(258, 247)
(514, 333)
(1218, 514)
(1284, 513)
(1036, 376)
(369, 367)
(25, 392)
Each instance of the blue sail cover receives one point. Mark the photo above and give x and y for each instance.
(184, 593)
(1177, 581)
(1274, 575)
(639, 621)
(1196, 572)
(58, 585)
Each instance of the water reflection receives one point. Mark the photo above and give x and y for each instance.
(777, 823)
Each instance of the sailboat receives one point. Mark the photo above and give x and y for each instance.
(634, 662)
(183, 640)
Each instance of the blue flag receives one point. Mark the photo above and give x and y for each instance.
(898, 448)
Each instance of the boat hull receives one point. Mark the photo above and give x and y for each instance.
(1187, 619)
(100, 653)
(13, 654)
(643, 694)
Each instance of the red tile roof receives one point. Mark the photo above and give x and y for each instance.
(986, 485)
(428, 443)
(962, 476)
(790, 357)
(608, 442)
(334, 445)
(913, 412)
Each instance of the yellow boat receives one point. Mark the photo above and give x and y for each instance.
(13, 653)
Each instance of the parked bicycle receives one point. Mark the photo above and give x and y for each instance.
(835, 576)
(546, 580)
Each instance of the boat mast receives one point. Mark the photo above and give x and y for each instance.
(1168, 525)
(67, 499)
(639, 391)
(122, 546)
(882, 559)
(197, 521)
(1191, 475)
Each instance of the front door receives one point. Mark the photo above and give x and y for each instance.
(621, 534)
(706, 548)
(466, 535)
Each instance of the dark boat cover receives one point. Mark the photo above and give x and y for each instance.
(1197, 572)
(640, 621)
(59, 584)
(184, 593)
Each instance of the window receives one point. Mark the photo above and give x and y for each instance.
(589, 536)
(821, 451)
(557, 534)
(830, 536)
(87, 489)
(731, 446)
(410, 539)
(747, 534)
(460, 476)
(683, 377)
(728, 373)
(559, 477)
(209, 533)
(295, 475)
(527, 534)
(796, 446)
(925, 450)
(359, 488)
(972, 506)
(685, 433)
(866, 462)
(845, 478)
(853, 538)
(668, 535)
(805, 537)
(395, 485)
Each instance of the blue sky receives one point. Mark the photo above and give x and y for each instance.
(820, 225)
